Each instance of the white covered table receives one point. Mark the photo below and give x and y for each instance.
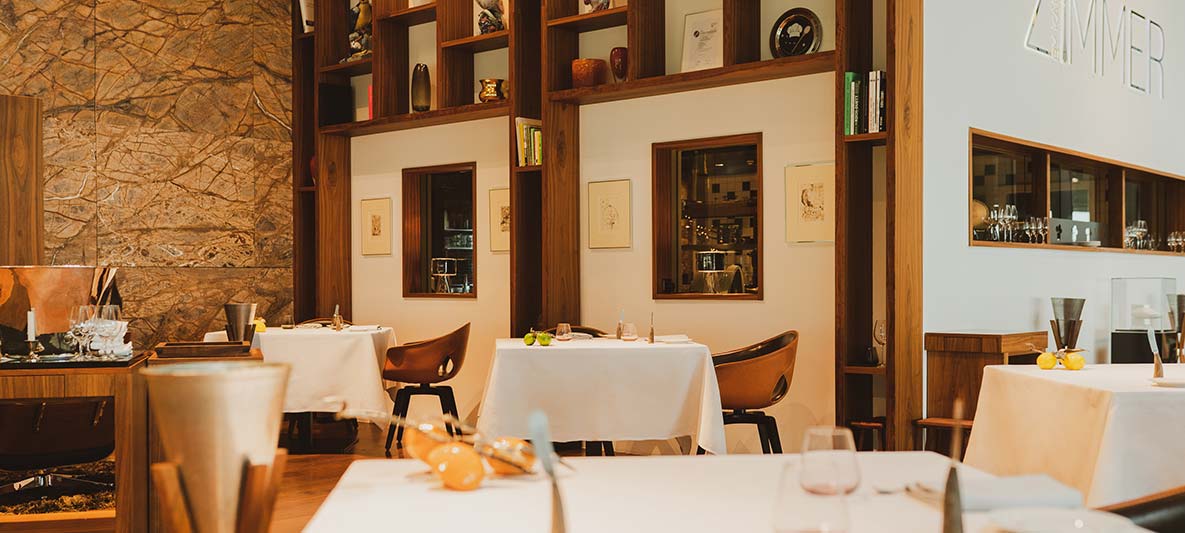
(605, 390)
(1105, 430)
(687, 494)
(345, 364)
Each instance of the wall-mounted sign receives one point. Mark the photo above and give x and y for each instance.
(1109, 36)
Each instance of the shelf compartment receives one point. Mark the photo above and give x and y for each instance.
(409, 121)
(529, 168)
(480, 43)
(412, 16)
(786, 67)
(865, 370)
(598, 20)
(353, 68)
(875, 139)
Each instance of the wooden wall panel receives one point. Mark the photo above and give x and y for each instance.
(743, 34)
(333, 225)
(561, 219)
(646, 37)
(21, 177)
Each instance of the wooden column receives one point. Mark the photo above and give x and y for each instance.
(21, 175)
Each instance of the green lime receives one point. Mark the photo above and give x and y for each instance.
(529, 339)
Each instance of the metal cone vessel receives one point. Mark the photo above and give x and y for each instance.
(213, 420)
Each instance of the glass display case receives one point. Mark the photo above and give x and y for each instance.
(1137, 305)
(1003, 194)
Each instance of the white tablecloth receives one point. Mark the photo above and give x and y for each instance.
(628, 494)
(605, 389)
(346, 364)
(1105, 430)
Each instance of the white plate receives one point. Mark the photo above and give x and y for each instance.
(309, 326)
(1054, 520)
(1169, 382)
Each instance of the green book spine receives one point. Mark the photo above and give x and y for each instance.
(848, 79)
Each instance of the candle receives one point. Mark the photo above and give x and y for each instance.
(32, 326)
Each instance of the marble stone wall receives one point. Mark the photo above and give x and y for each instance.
(167, 148)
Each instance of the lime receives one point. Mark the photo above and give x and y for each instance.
(544, 339)
(529, 339)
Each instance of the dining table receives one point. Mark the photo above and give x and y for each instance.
(1106, 430)
(604, 389)
(689, 494)
(345, 366)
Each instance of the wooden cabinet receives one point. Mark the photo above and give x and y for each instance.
(955, 364)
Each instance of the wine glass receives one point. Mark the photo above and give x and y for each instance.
(81, 327)
(629, 332)
(563, 332)
(829, 461)
(109, 318)
(796, 511)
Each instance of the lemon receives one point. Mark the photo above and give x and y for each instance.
(1075, 361)
(529, 339)
(1046, 361)
(544, 339)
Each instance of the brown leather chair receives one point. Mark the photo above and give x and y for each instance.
(425, 363)
(581, 329)
(1163, 512)
(756, 377)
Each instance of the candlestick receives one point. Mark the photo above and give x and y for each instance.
(32, 330)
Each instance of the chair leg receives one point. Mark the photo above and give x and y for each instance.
(763, 435)
(395, 433)
(608, 447)
(448, 404)
(775, 441)
(306, 438)
(592, 448)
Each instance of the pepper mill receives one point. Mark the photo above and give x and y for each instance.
(651, 340)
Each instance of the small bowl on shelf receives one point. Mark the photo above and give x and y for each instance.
(589, 72)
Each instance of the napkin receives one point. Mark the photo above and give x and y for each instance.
(109, 336)
(1016, 491)
(672, 339)
(374, 327)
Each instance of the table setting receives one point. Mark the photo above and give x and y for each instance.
(97, 336)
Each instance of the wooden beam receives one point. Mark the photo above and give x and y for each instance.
(22, 172)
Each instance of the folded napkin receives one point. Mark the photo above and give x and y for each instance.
(374, 327)
(1004, 492)
(109, 336)
(672, 339)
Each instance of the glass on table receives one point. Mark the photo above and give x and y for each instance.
(829, 461)
(798, 511)
(563, 332)
(82, 327)
(629, 332)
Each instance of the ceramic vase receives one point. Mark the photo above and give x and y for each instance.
(492, 90)
(421, 88)
(588, 72)
(619, 62)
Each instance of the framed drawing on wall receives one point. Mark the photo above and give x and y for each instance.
(609, 224)
(810, 203)
(499, 220)
(376, 226)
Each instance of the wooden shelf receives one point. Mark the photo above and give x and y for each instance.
(864, 370)
(598, 20)
(876, 139)
(409, 121)
(786, 67)
(1071, 248)
(353, 68)
(306, 188)
(305, 35)
(528, 168)
(413, 16)
(480, 43)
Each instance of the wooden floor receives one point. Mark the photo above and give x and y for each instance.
(307, 482)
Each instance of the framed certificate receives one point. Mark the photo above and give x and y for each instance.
(703, 40)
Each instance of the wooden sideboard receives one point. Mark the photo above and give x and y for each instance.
(955, 362)
(126, 387)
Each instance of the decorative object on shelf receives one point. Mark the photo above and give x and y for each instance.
(306, 15)
(359, 21)
(810, 209)
(492, 16)
(421, 88)
(499, 220)
(609, 223)
(492, 90)
(880, 335)
(619, 62)
(376, 226)
(796, 32)
(588, 72)
(592, 6)
(703, 40)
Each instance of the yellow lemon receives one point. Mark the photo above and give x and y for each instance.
(458, 465)
(1046, 361)
(420, 439)
(1075, 361)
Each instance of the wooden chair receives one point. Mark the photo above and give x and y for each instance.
(43, 434)
(581, 329)
(1163, 512)
(426, 363)
(756, 377)
(943, 426)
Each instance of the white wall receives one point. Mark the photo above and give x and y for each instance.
(796, 117)
(377, 162)
(979, 74)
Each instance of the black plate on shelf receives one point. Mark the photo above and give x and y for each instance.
(796, 32)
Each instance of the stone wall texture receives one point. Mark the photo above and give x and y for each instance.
(167, 149)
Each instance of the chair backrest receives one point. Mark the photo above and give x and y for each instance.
(55, 432)
(1162, 512)
(759, 375)
(582, 329)
(430, 361)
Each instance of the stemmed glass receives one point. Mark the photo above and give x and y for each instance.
(563, 332)
(993, 222)
(829, 461)
(82, 328)
(109, 317)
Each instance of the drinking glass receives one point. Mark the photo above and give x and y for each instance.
(829, 461)
(109, 317)
(629, 332)
(288, 323)
(81, 327)
(563, 332)
(796, 511)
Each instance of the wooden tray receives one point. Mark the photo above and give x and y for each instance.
(170, 350)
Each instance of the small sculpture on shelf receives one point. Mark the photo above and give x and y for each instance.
(359, 21)
(619, 62)
(421, 89)
(588, 72)
(597, 5)
(491, 18)
(492, 90)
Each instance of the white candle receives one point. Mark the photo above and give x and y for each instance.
(32, 326)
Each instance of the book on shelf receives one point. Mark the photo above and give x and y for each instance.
(529, 135)
(306, 15)
(864, 102)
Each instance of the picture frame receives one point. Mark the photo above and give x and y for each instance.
(703, 40)
(306, 15)
(376, 226)
(499, 220)
(810, 202)
(609, 214)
